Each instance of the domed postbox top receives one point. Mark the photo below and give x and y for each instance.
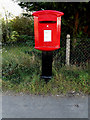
(54, 12)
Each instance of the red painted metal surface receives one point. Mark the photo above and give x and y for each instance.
(47, 29)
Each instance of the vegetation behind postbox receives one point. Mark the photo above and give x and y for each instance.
(21, 63)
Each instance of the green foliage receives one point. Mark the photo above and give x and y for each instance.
(21, 63)
(75, 19)
(80, 53)
(29, 40)
(14, 36)
(17, 64)
(21, 69)
(23, 25)
(4, 32)
(18, 29)
(59, 56)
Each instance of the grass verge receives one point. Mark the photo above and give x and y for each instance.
(21, 69)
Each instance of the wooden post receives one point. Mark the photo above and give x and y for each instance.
(68, 49)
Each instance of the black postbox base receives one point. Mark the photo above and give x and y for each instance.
(47, 58)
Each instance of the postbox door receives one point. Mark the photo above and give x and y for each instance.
(47, 33)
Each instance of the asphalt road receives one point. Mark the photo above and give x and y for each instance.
(28, 106)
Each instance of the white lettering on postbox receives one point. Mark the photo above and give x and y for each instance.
(47, 35)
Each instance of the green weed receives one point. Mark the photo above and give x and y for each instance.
(21, 69)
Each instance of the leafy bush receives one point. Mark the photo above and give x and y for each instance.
(23, 25)
(14, 36)
(59, 57)
(29, 40)
(11, 29)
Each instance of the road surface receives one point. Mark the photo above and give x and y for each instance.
(31, 106)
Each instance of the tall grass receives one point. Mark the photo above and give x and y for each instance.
(21, 70)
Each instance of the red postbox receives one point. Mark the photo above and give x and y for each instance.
(47, 29)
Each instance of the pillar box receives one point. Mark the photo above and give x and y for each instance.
(47, 29)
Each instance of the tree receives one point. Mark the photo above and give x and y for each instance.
(75, 18)
(23, 25)
(4, 31)
(5, 28)
(18, 28)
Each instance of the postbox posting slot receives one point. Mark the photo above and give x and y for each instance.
(47, 21)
